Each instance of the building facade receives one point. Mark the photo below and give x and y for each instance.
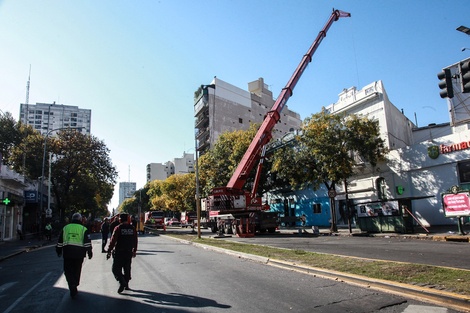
(221, 107)
(45, 117)
(423, 163)
(161, 171)
(12, 200)
(126, 190)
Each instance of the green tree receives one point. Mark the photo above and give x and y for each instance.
(12, 134)
(217, 166)
(176, 193)
(82, 174)
(328, 151)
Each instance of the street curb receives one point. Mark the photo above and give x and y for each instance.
(23, 250)
(451, 300)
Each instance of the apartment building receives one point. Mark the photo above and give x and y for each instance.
(220, 107)
(126, 190)
(46, 117)
(161, 171)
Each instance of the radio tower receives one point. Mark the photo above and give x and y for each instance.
(27, 85)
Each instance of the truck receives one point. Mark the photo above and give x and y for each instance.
(188, 219)
(246, 206)
(154, 220)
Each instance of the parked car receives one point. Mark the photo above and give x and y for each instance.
(173, 222)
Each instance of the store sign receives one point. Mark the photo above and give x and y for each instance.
(464, 145)
(30, 196)
(456, 204)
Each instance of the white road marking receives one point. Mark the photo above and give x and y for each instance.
(11, 307)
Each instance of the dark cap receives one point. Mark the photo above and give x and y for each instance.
(123, 217)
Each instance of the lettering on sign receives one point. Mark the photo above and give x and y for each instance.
(456, 204)
(454, 147)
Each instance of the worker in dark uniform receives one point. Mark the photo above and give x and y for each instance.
(114, 223)
(124, 243)
(104, 234)
(74, 244)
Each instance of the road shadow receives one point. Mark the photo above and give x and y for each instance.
(141, 301)
(175, 299)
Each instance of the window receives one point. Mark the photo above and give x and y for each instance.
(240, 120)
(381, 188)
(316, 208)
(464, 172)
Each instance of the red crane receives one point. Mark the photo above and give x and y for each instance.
(232, 199)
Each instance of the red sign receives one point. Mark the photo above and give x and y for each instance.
(456, 204)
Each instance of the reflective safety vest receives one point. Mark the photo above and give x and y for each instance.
(74, 235)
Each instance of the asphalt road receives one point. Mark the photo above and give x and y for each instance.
(392, 248)
(173, 276)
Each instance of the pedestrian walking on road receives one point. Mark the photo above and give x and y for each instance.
(104, 234)
(74, 244)
(123, 247)
(19, 230)
(114, 223)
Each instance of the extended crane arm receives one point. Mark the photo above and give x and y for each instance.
(262, 137)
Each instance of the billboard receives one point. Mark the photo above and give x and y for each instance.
(456, 204)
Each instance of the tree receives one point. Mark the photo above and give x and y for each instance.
(12, 134)
(328, 150)
(176, 193)
(82, 174)
(218, 164)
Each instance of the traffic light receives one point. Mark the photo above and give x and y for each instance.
(465, 76)
(447, 91)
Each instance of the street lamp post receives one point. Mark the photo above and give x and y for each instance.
(41, 203)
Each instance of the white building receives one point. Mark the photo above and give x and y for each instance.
(161, 171)
(423, 163)
(184, 164)
(46, 117)
(126, 190)
(221, 107)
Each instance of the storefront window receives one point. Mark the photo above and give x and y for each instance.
(464, 172)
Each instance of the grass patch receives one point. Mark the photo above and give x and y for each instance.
(452, 280)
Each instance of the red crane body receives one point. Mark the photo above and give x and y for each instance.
(233, 198)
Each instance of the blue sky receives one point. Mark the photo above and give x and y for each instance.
(136, 64)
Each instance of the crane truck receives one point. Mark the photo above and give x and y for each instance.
(246, 206)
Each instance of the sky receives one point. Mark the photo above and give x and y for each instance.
(136, 64)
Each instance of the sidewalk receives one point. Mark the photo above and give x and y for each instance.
(14, 247)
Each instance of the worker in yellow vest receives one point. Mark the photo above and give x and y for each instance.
(74, 244)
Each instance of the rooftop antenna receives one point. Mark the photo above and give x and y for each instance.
(129, 175)
(27, 85)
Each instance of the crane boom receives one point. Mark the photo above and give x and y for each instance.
(263, 135)
(246, 207)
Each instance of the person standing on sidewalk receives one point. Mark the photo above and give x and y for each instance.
(19, 230)
(74, 243)
(48, 229)
(124, 242)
